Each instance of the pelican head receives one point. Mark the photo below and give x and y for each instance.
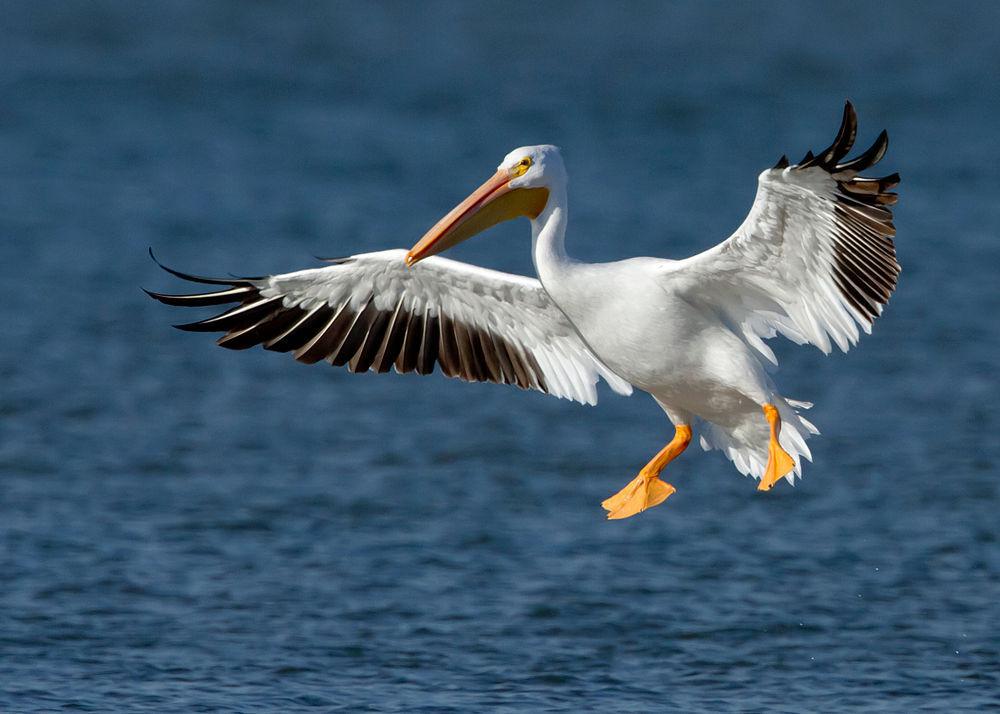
(520, 187)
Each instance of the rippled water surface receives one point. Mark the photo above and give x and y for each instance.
(188, 529)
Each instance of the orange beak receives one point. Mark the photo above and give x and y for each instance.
(493, 202)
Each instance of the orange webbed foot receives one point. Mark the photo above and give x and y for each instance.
(779, 462)
(642, 492)
(647, 489)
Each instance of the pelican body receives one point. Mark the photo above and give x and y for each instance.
(814, 261)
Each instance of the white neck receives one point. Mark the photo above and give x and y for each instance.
(548, 234)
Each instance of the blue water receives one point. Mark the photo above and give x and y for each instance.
(188, 529)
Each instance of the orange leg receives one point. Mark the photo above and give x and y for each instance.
(779, 463)
(647, 490)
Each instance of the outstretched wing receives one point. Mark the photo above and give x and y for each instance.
(814, 260)
(371, 312)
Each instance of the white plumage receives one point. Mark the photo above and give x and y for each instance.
(485, 302)
(814, 261)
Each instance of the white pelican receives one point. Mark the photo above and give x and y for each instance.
(814, 261)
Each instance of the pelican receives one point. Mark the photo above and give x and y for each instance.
(814, 261)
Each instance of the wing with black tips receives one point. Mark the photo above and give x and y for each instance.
(371, 312)
(814, 260)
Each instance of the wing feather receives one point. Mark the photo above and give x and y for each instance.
(814, 260)
(371, 312)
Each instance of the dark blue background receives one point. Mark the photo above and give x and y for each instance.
(187, 529)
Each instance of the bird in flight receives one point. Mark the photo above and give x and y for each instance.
(814, 261)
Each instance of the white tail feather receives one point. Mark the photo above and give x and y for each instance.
(745, 443)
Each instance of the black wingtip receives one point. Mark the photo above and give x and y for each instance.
(842, 143)
(205, 325)
(782, 163)
(189, 327)
(198, 278)
(844, 140)
(890, 181)
(159, 297)
(870, 157)
(238, 293)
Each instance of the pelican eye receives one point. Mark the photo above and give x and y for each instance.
(521, 167)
